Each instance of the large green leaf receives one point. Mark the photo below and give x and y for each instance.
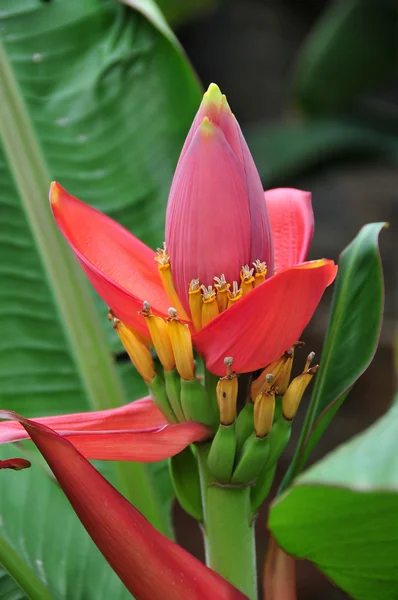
(342, 513)
(351, 338)
(37, 521)
(108, 100)
(352, 48)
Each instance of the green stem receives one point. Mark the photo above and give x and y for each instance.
(75, 304)
(22, 574)
(228, 530)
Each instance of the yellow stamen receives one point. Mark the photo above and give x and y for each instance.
(163, 260)
(222, 288)
(235, 295)
(264, 408)
(260, 272)
(160, 337)
(139, 354)
(195, 303)
(181, 342)
(227, 394)
(280, 370)
(294, 393)
(247, 279)
(209, 305)
(309, 360)
(144, 339)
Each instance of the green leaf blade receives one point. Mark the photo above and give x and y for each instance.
(354, 330)
(351, 339)
(341, 513)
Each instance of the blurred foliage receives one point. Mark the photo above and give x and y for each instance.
(339, 110)
(287, 149)
(352, 49)
(178, 12)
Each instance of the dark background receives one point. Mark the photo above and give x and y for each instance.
(251, 49)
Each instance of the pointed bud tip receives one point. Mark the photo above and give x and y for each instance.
(206, 127)
(213, 94)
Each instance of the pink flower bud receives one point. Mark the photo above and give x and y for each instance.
(216, 218)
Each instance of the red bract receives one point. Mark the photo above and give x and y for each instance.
(151, 566)
(135, 432)
(16, 464)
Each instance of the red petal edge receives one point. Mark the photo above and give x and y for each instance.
(267, 321)
(292, 225)
(16, 464)
(135, 416)
(119, 266)
(151, 566)
(135, 432)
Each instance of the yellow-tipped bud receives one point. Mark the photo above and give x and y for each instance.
(294, 393)
(264, 408)
(222, 288)
(234, 295)
(160, 337)
(195, 303)
(213, 95)
(181, 342)
(260, 274)
(227, 394)
(280, 369)
(209, 305)
(139, 354)
(247, 280)
(163, 259)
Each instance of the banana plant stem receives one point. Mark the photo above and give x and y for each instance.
(228, 530)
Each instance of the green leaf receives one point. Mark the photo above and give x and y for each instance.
(351, 49)
(341, 514)
(175, 12)
(9, 590)
(351, 339)
(37, 522)
(185, 477)
(151, 10)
